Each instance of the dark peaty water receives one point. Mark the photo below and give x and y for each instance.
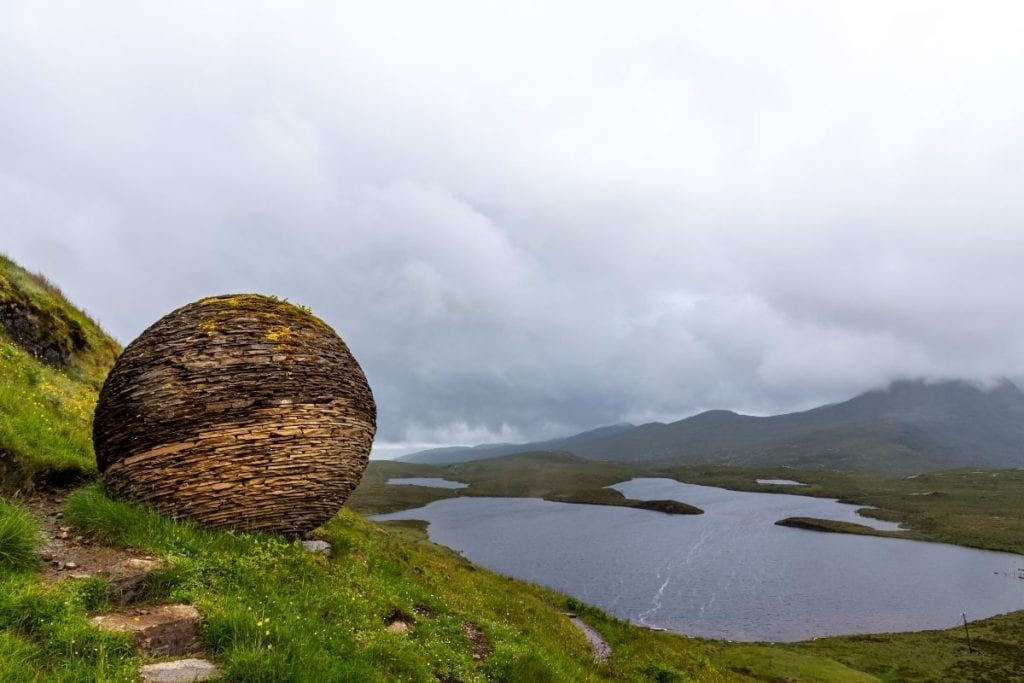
(729, 573)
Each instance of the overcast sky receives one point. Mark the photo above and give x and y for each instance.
(529, 219)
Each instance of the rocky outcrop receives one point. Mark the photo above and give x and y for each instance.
(238, 411)
(36, 330)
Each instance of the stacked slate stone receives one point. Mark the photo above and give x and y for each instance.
(237, 411)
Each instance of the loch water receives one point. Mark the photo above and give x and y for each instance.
(730, 573)
(429, 482)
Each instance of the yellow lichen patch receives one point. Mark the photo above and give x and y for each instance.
(208, 326)
(281, 334)
(233, 301)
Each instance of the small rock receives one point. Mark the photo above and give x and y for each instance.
(70, 565)
(64, 535)
(399, 621)
(160, 631)
(46, 556)
(317, 547)
(127, 577)
(179, 671)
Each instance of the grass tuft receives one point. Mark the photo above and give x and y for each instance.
(19, 538)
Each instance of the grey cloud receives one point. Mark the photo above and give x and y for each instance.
(532, 221)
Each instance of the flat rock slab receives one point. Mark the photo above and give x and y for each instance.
(179, 671)
(317, 547)
(161, 631)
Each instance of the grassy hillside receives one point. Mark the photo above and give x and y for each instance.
(37, 317)
(275, 613)
(272, 612)
(53, 359)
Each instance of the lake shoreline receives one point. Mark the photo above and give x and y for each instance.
(697, 577)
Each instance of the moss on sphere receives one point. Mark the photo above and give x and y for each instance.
(238, 411)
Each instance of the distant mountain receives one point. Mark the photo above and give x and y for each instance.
(912, 426)
(496, 450)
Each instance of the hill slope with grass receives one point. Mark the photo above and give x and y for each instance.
(271, 611)
(910, 427)
(53, 359)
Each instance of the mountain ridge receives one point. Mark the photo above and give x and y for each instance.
(910, 426)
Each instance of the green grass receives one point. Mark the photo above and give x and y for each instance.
(275, 613)
(933, 655)
(46, 410)
(45, 635)
(19, 537)
(44, 632)
(45, 421)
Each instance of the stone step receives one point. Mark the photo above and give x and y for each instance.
(179, 671)
(127, 578)
(163, 630)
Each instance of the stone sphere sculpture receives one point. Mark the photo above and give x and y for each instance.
(237, 411)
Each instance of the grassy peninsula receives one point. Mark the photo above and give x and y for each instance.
(555, 476)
